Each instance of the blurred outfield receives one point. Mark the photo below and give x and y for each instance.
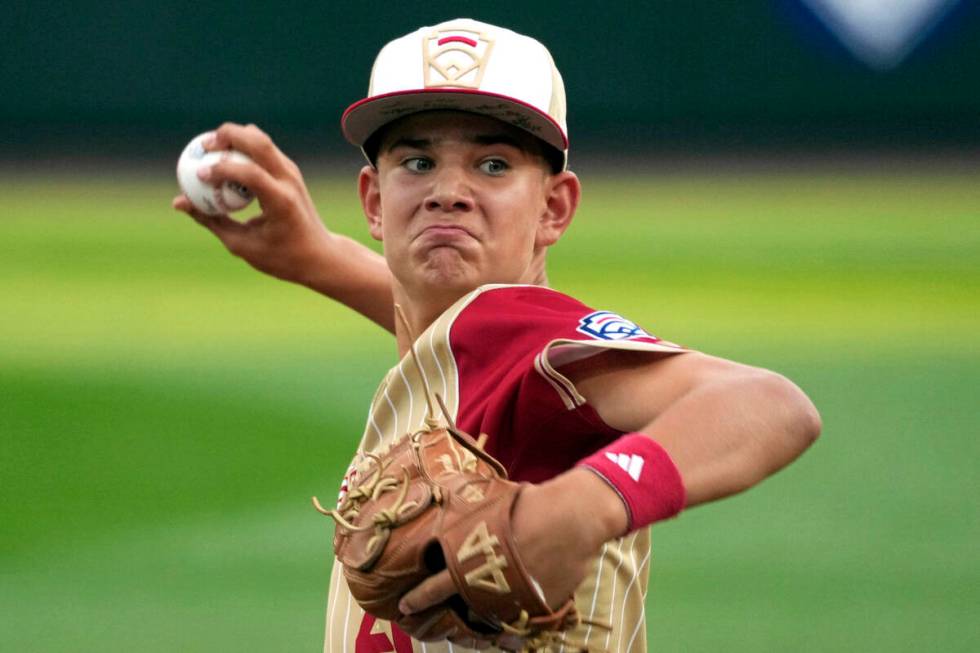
(165, 413)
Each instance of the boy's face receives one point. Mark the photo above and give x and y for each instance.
(460, 200)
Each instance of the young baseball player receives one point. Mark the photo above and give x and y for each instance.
(467, 187)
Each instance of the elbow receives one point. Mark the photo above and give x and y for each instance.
(812, 422)
(798, 420)
(765, 423)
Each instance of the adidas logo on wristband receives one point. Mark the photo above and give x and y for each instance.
(658, 495)
(631, 464)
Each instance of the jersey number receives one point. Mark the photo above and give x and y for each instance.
(377, 642)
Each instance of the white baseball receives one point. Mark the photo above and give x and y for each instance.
(231, 196)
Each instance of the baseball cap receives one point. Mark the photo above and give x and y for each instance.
(464, 65)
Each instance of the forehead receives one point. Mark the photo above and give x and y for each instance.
(447, 127)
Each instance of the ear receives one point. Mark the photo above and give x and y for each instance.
(369, 189)
(564, 192)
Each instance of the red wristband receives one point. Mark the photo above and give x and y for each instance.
(643, 474)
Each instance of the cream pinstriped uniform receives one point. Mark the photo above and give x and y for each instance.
(615, 589)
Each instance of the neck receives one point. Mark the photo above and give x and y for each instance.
(424, 305)
(420, 313)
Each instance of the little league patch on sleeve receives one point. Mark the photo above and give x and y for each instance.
(605, 325)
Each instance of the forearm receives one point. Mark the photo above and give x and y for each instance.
(353, 274)
(725, 425)
(732, 432)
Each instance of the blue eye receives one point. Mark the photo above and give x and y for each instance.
(418, 164)
(494, 166)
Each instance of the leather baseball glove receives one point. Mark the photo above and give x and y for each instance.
(436, 500)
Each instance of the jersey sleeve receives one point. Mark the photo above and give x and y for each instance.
(509, 342)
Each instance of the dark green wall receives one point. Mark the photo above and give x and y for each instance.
(122, 75)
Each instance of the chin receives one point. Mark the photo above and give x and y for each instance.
(445, 272)
(446, 281)
(446, 267)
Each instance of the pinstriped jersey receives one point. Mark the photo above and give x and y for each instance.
(494, 357)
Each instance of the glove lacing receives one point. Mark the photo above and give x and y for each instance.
(371, 489)
(536, 641)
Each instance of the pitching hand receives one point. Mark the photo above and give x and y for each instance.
(287, 239)
(288, 235)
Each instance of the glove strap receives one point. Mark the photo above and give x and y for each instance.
(644, 476)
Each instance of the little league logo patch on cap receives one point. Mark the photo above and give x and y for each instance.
(455, 57)
(604, 325)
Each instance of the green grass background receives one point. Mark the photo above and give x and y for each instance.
(165, 413)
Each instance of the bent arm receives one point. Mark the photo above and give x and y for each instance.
(726, 426)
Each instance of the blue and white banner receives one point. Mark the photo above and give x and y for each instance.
(880, 33)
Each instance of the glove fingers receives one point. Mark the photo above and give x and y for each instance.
(438, 624)
(432, 591)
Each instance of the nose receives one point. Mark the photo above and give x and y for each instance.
(450, 191)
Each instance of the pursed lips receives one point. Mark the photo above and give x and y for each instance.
(450, 230)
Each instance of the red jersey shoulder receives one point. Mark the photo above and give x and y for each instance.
(523, 318)
(495, 341)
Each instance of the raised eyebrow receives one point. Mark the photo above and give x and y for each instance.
(412, 143)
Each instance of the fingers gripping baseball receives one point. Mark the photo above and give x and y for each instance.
(287, 239)
(276, 197)
(257, 144)
(272, 176)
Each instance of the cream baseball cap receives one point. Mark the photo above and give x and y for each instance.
(465, 65)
